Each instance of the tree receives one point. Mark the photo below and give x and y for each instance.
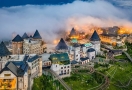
(42, 83)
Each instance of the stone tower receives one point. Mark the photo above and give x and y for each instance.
(17, 45)
(95, 40)
(37, 35)
(61, 46)
(76, 52)
(73, 34)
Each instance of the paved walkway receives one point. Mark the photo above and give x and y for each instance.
(128, 56)
(59, 79)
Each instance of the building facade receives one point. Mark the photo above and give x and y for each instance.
(18, 74)
(60, 64)
(28, 45)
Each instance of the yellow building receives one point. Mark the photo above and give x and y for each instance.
(110, 39)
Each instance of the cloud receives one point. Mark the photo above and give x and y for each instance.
(50, 19)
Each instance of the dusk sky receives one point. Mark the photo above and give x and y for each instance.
(52, 16)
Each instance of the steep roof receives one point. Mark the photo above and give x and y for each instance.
(37, 35)
(61, 45)
(12, 66)
(33, 58)
(74, 62)
(73, 32)
(95, 37)
(3, 50)
(18, 38)
(25, 36)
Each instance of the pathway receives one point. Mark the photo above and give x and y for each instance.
(128, 56)
(59, 79)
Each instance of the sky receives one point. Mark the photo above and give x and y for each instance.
(51, 18)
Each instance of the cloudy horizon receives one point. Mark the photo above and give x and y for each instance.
(51, 19)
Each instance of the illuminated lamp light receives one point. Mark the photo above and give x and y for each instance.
(114, 44)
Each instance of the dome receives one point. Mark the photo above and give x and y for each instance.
(91, 50)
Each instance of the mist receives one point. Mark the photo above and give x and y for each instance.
(51, 19)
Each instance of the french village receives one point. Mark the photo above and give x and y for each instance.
(98, 60)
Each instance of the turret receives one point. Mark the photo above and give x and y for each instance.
(37, 35)
(25, 36)
(95, 40)
(62, 47)
(17, 45)
(76, 52)
(73, 34)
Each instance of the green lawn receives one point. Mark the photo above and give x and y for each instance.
(82, 81)
(46, 83)
(119, 73)
(129, 48)
(123, 56)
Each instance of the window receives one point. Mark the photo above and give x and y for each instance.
(56, 65)
(7, 74)
(61, 67)
(36, 68)
(20, 80)
(68, 67)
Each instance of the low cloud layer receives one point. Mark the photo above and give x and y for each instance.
(51, 19)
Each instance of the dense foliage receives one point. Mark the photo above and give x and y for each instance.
(42, 83)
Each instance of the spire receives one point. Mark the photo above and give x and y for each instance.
(61, 45)
(37, 35)
(3, 50)
(73, 32)
(18, 38)
(25, 36)
(95, 37)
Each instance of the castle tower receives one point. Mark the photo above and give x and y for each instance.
(25, 36)
(37, 35)
(3, 50)
(73, 34)
(95, 40)
(76, 52)
(4, 54)
(17, 45)
(62, 47)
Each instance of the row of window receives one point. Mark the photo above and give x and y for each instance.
(65, 67)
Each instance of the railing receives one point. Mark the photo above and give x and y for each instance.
(59, 79)
(128, 56)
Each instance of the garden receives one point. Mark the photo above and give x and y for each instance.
(46, 82)
(120, 75)
(83, 81)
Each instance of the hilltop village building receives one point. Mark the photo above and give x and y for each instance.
(18, 71)
(81, 53)
(60, 64)
(28, 45)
